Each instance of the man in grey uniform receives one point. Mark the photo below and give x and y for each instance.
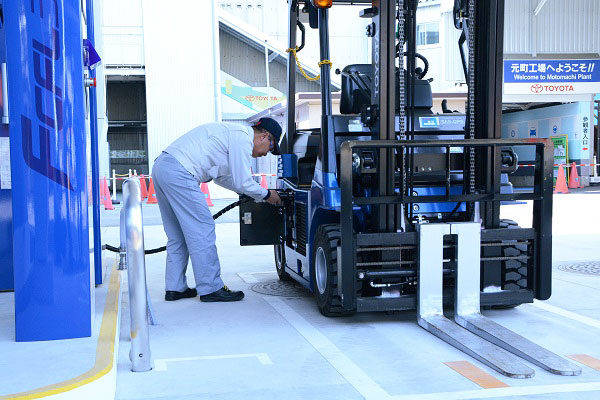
(219, 152)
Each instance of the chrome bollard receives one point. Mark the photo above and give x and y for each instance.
(123, 241)
(136, 277)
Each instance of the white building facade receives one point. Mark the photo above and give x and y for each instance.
(162, 67)
(170, 68)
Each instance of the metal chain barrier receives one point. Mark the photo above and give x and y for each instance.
(120, 249)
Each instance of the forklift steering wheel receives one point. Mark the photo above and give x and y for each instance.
(420, 74)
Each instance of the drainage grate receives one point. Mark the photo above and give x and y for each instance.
(279, 288)
(585, 267)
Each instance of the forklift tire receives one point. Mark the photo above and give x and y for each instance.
(514, 269)
(324, 271)
(280, 263)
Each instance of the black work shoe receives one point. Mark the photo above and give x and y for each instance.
(172, 295)
(223, 294)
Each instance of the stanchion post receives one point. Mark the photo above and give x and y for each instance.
(123, 239)
(114, 186)
(136, 277)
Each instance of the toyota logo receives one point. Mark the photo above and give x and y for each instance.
(537, 88)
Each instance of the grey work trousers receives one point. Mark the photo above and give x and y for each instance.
(189, 226)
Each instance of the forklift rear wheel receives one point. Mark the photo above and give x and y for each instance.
(280, 263)
(324, 271)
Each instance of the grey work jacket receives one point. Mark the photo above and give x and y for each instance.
(221, 152)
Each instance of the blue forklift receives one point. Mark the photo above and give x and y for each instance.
(389, 206)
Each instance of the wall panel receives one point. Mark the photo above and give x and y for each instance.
(179, 69)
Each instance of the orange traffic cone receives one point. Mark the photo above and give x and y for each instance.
(204, 189)
(561, 181)
(101, 190)
(143, 189)
(105, 195)
(151, 194)
(263, 182)
(574, 182)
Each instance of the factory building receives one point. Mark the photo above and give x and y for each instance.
(228, 60)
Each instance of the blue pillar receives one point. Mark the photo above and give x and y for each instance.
(6, 262)
(94, 145)
(48, 161)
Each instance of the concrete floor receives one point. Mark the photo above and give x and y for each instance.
(26, 366)
(269, 347)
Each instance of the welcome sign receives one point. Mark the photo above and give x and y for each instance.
(559, 77)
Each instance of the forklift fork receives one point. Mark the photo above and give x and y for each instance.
(467, 307)
(475, 335)
(430, 311)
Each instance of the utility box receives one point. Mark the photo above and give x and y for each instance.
(260, 223)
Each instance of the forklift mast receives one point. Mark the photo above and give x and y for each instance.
(388, 32)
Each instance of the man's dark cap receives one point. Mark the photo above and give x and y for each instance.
(271, 126)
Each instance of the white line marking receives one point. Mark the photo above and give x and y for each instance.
(161, 363)
(355, 376)
(504, 392)
(370, 389)
(249, 277)
(575, 283)
(567, 314)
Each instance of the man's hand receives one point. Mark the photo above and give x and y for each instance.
(274, 197)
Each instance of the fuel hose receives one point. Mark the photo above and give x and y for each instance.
(163, 248)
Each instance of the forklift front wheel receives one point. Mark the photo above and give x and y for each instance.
(324, 271)
(280, 263)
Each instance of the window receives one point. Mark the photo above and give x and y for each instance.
(428, 33)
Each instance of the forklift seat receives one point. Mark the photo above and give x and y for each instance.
(354, 98)
(306, 147)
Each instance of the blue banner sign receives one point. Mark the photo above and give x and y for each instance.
(528, 71)
(48, 165)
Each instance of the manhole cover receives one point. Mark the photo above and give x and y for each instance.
(585, 267)
(279, 288)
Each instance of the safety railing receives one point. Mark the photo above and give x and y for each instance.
(132, 257)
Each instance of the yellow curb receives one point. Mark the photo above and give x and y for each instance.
(104, 349)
